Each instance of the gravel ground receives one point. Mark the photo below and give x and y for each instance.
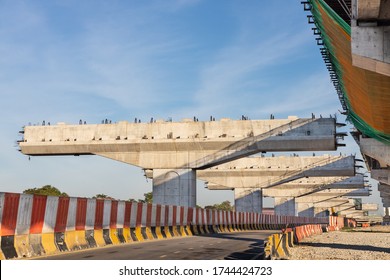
(354, 244)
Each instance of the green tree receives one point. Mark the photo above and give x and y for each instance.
(103, 196)
(148, 197)
(225, 206)
(46, 190)
(100, 195)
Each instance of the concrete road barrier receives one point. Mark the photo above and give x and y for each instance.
(277, 245)
(35, 225)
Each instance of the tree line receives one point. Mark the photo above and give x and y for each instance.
(148, 197)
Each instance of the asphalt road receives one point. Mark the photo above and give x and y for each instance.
(229, 246)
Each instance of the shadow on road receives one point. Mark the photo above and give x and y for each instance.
(255, 250)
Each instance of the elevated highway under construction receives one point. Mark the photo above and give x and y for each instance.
(307, 190)
(354, 41)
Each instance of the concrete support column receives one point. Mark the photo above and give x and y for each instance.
(320, 212)
(248, 200)
(386, 218)
(174, 187)
(305, 209)
(285, 206)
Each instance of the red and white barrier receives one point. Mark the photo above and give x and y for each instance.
(35, 225)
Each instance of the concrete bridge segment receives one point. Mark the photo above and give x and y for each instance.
(174, 150)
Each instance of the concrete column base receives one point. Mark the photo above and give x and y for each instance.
(174, 187)
(305, 209)
(248, 200)
(386, 218)
(285, 206)
(321, 212)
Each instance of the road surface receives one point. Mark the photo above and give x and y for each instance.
(245, 245)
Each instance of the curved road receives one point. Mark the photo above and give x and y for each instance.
(245, 245)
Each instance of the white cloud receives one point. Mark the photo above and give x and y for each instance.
(230, 79)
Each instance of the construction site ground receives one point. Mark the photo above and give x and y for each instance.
(371, 243)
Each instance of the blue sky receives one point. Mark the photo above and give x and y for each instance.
(62, 61)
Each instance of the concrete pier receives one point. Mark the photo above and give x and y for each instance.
(386, 218)
(248, 200)
(384, 191)
(305, 209)
(285, 206)
(174, 187)
(377, 158)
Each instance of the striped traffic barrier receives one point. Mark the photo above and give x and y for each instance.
(112, 229)
(218, 221)
(37, 221)
(222, 218)
(276, 246)
(9, 211)
(232, 226)
(23, 223)
(189, 213)
(195, 222)
(165, 218)
(147, 220)
(126, 223)
(261, 221)
(90, 223)
(173, 209)
(249, 221)
(268, 222)
(199, 222)
(240, 222)
(290, 237)
(285, 245)
(205, 214)
(75, 224)
(165, 212)
(153, 222)
(140, 228)
(120, 221)
(268, 247)
(213, 221)
(182, 221)
(98, 223)
(258, 221)
(32, 225)
(227, 222)
(49, 220)
(106, 221)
